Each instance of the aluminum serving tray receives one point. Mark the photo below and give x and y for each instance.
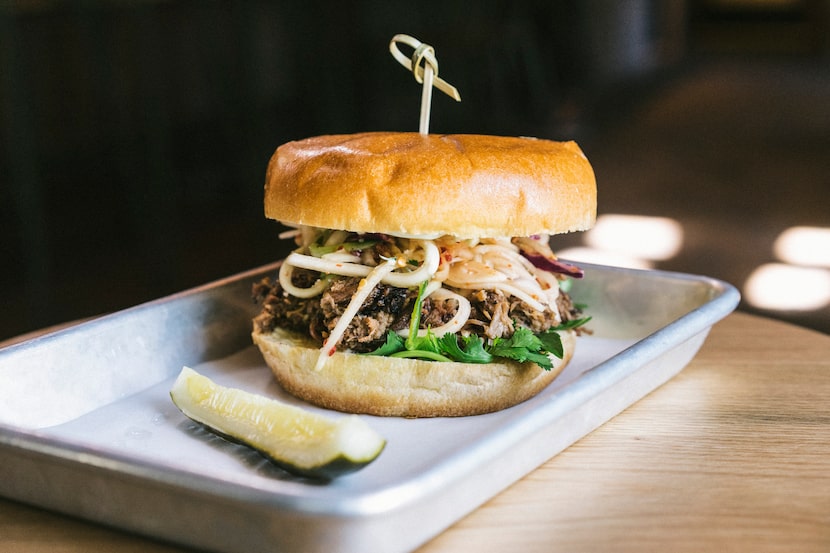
(87, 426)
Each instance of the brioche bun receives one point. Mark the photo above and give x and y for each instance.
(388, 386)
(428, 186)
(468, 186)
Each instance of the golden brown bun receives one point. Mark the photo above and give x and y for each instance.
(469, 186)
(388, 386)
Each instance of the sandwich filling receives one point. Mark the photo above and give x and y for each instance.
(430, 297)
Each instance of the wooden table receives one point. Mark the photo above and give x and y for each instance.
(733, 454)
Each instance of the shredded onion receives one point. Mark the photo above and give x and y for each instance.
(340, 257)
(425, 272)
(455, 324)
(363, 290)
(499, 266)
(325, 266)
(352, 269)
(292, 233)
(336, 237)
(518, 292)
(471, 273)
(286, 271)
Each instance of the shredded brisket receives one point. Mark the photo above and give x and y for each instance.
(388, 308)
(496, 316)
(284, 310)
(367, 331)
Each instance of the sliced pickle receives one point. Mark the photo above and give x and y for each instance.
(298, 440)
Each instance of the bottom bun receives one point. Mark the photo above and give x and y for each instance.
(390, 386)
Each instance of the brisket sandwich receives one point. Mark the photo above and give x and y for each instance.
(422, 283)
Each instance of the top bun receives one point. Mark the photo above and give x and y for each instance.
(468, 186)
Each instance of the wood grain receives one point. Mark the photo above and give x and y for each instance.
(733, 454)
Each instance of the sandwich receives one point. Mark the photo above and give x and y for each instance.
(422, 283)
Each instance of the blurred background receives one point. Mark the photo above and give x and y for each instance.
(135, 134)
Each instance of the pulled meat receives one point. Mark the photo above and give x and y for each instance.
(489, 314)
(284, 310)
(493, 314)
(384, 306)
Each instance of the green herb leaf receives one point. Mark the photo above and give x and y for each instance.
(394, 344)
(522, 346)
(415, 319)
(552, 342)
(568, 325)
(522, 338)
(524, 354)
(424, 343)
(421, 354)
(472, 351)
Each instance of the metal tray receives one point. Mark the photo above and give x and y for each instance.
(87, 426)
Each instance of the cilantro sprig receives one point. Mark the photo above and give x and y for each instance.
(524, 345)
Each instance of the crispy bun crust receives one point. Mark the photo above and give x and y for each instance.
(386, 386)
(469, 186)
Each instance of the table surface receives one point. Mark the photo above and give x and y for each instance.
(731, 454)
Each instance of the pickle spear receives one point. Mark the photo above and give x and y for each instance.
(298, 440)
